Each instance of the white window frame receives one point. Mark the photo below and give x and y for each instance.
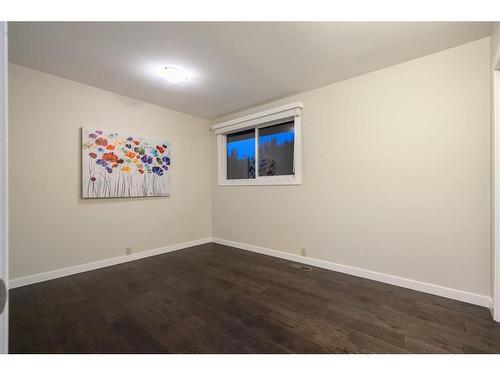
(256, 121)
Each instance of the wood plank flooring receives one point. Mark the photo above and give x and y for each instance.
(217, 299)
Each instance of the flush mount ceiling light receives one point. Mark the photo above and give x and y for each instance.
(174, 74)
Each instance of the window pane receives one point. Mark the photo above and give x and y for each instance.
(276, 145)
(241, 155)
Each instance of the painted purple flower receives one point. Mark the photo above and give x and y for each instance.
(99, 132)
(147, 159)
(130, 139)
(93, 136)
(165, 167)
(166, 160)
(109, 169)
(158, 171)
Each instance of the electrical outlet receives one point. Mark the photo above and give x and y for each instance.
(303, 252)
(128, 250)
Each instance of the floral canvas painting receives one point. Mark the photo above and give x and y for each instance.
(118, 165)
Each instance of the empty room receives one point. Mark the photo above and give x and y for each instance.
(250, 187)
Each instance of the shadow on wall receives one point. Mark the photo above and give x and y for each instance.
(129, 102)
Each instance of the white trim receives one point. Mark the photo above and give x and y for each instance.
(262, 181)
(495, 166)
(4, 181)
(438, 290)
(258, 115)
(32, 279)
(420, 286)
(268, 120)
(221, 159)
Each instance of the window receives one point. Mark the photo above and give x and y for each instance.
(241, 155)
(276, 143)
(261, 149)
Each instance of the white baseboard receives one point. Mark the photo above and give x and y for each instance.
(438, 290)
(32, 279)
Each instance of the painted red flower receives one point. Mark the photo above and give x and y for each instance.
(93, 155)
(101, 141)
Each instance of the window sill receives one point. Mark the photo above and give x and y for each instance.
(262, 181)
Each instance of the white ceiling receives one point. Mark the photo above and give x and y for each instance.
(235, 65)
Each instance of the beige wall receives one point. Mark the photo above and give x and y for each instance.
(51, 227)
(495, 44)
(396, 175)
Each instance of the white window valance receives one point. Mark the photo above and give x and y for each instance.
(269, 116)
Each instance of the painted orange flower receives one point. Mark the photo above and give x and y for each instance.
(111, 157)
(126, 169)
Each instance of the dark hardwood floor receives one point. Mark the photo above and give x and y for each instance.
(217, 299)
